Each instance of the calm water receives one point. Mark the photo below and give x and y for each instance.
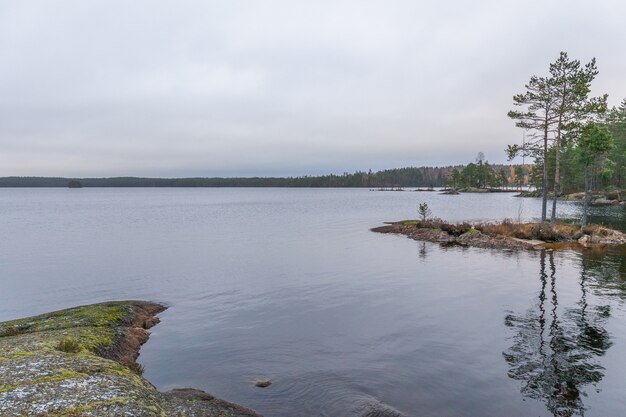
(290, 285)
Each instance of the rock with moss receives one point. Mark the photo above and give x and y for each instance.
(506, 235)
(82, 362)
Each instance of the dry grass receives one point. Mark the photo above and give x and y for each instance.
(562, 231)
(558, 233)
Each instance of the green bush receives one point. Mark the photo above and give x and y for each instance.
(68, 346)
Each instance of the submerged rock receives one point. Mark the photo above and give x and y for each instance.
(378, 409)
(263, 383)
(81, 361)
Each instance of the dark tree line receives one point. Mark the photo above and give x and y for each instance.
(404, 177)
(399, 177)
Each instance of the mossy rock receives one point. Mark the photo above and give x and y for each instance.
(81, 362)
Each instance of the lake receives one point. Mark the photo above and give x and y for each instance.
(290, 285)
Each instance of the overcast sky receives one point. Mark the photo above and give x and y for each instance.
(280, 87)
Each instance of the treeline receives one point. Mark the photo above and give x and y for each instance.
(482, 174)
(608, 173)
(403, 177)
(400, 177)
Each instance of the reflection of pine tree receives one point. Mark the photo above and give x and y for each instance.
(423, 252)
(556, 357)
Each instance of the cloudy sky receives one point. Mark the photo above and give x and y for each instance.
(280, 87)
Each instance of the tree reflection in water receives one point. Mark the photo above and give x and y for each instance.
(554, 356)
(423, 252)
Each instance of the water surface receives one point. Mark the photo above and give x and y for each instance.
(290, 285)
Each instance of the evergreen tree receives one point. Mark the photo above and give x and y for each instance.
(570, 85)
(537, 117)
(595, 142)
(616, 123)
(554, 109)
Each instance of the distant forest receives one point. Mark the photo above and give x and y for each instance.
(400, 177)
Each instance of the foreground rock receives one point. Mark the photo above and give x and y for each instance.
(81, 362)
(505, 235)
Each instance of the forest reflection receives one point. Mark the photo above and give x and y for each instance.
(555, 351)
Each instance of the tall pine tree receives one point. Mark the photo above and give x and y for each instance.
(554, 109)
(570, 85)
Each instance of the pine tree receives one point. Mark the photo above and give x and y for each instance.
(595, 142)
(555, 109)
(570, 85)
(536, 116)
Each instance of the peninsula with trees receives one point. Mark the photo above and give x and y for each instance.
(577, 144)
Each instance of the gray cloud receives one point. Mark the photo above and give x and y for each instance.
(279, 87)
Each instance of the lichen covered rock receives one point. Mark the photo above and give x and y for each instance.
(81, 362)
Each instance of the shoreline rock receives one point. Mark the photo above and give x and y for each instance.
(487, 236)
(473, 239)
(596, 198)
(82, 362)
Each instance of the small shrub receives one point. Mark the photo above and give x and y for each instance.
(68, 346)
(424, 211)
(11, 331)
(471, 232)
(548, 234)
(136, 368)
(456, 229)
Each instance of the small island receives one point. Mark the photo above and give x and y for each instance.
(506, 234)
(82, 362)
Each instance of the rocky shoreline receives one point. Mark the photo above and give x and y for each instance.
(82, 362)
(505, 235)
(596, 198)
